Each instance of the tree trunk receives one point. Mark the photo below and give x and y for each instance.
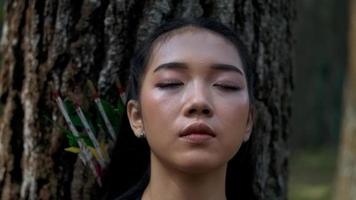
(346, 179)
(48, 45)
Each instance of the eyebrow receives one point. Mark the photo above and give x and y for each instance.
(216, 66)
(227, 67)
(171, 65)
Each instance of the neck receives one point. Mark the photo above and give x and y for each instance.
(167, 183)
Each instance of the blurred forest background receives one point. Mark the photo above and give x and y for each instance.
(321, 29)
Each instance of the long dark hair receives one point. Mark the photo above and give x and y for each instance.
(130, 163)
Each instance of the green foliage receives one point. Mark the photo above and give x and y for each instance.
(114, 114)
(72, 113)
(73, 140)
(95, 120)
(92, 127)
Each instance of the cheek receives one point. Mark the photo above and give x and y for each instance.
(158, 111)
(234, 111)
(235, 126)
(232, 116)
(159, 114)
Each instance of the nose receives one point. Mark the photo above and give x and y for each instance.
(198, 103)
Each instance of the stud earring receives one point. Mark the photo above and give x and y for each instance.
(141, 134)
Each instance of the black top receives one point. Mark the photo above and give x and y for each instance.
(136, 192)
(131, 195)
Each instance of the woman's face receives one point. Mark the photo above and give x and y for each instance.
(194, 102)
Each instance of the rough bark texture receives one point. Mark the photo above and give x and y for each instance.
(346, 180)
(49, 45)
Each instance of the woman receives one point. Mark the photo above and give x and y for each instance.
(190, 98)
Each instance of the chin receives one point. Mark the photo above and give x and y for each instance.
(199, 165)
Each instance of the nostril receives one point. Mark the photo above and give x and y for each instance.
(192, 111)
(206, 111)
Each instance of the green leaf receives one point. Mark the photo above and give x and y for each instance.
(72, 149)
(72, 113)
(114, 116)
(120, 107)
(120, 103)
(108, 108)
(86, 140)
(72, 140)
(76, 121)
(69, 106)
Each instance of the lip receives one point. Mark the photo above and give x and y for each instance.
(197, 133)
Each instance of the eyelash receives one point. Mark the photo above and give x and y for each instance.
(176, 84)
(169, 85)
(228, 87)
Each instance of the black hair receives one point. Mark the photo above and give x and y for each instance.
(130, 162)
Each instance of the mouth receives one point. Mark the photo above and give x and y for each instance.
(197, 133)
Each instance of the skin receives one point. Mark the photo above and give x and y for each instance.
(194, 76)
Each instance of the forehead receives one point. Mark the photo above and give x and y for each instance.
(196, 45)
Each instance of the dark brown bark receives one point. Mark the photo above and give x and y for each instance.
(49, 45)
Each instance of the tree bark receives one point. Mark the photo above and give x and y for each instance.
(346, 178)
(49, 45)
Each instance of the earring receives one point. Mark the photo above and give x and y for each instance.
(141, 134)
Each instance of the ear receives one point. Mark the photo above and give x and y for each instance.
(249, 125)
(135, 117)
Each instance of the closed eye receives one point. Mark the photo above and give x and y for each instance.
(227, 87)
(169, 84)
